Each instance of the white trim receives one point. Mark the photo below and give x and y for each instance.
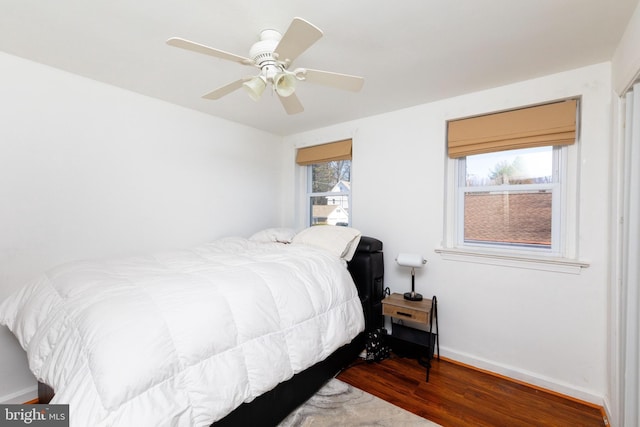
(558, 265)
(309, 194)
(527, 377)
(554, 187)
(630, 272)
(20, 396)
(606, 407)
(613, 401)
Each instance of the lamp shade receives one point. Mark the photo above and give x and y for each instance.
(285, 84)
(254, 87)
(410, 260)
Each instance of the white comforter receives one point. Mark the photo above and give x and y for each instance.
(182, 338)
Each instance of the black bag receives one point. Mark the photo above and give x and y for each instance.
(376, 346)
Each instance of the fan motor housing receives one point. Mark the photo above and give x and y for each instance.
(262, 51)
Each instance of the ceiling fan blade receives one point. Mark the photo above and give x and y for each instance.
(200, 48)
(225, 90)
(291, 104)
(299, 37)
(327, 78)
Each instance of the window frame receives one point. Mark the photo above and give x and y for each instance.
(557, 212)
(309, 194)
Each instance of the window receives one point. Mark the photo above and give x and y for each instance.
(512, 177)
(510, 199)
(328, 190)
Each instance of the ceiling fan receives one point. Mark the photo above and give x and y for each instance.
(273, 55)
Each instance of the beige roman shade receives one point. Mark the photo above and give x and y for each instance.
(340, 150)
(549, 124)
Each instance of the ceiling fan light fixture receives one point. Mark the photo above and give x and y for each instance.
(273, 54)
(284, 84)
(254, 87)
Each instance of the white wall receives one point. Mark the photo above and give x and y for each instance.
(88, 170)
(626, 59)
(542, 327)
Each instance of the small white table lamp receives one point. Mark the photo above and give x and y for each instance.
(414, 261)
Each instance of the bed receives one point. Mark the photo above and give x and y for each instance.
(231, 332)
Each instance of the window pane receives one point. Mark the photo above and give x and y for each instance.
(330, 176)
(329, 192)
(520, 218)
(329, 210)
(527, 166)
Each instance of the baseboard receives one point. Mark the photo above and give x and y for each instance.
(606, 413)
(20, 396)
(528, 378)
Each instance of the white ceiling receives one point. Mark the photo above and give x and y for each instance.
(409, 52)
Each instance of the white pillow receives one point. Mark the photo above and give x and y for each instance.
(340, 241)
(276, 234)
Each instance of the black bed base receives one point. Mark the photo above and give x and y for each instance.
(272, 407)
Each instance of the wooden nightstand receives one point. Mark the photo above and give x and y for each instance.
(423, 312)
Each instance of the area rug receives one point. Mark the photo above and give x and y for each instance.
(339, 404)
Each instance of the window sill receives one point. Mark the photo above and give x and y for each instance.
(558, 265)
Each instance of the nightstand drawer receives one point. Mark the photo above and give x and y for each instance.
(406, 313)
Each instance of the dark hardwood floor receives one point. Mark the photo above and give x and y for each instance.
(457, 395)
